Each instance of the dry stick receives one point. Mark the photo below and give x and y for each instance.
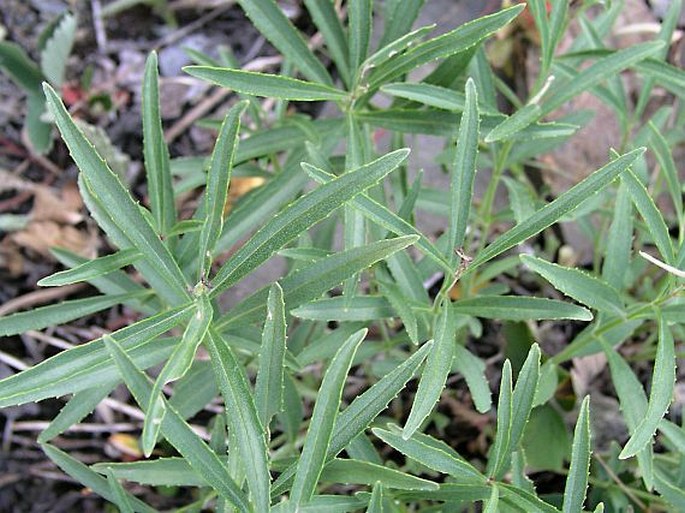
(192, 27)
(620, 483)
(39, 297)
(99, 26)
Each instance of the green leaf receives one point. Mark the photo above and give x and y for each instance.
(160, 472)
(80, 405)
(349, 471)
(376, 500)
(552, 212)
(323, 504)
(326, 20)
(218, 179)
(20, 68)
(579, 285)
(399, 17)
(661, 394)
(82, 474)
(473, 370)
(313, 280)
(119, 494)
(435, 372)
(61, 313)
(521, 119)
(119, 205)
(341, 308)
(155, 151)
(200, 457)
(269, 386)
(661, 150)
(576, 482)
(318, 439)
(520, 308)
(523, 397)
(176, 366)
(89, 365)
(500, 450)
(619, 240)
(53, 57)
(491, 505)
(666, 75)
(463, 173)
(91, 269)
(354, 419)
(399, 304)
(360, 25)
(265, 84)
(602, 69)
(432, 96)
(384, 218)
(455, 41)
(273, 24)
(431, 453)
(523, 500)
(651, 215)
(242, 419)
(396, 47)
(300, 215)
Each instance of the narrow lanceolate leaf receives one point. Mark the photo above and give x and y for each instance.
(360, 413)
(318, 439)
(650, 213)
(155, 151)
(473, 370)
(376, 500)
(343, 309)
(218, 178)
(360, 23)
(463, 172)
(577, 284)
(82, 404)
(120, 207)
(300, 215)
(663, 154)
(87, 477)
(520, 308)
(242, 419)
(350, 471)
(382, 216)
(432, 453)
(521, 119)
(60, 313)
(160, 472)
(274, 25)
(326, 20)
(433, 96)
(499, 452)
(619, 240)
(395, 47)
(56, 50)
(399, 303)
(602, 69)
(524, 394)
(455, 41)
(491, 505)
(661, 393)
(269, 386)
(120, 498)
(176, 366)
(435, 372)
(89, 365)
(552, 212)
(178, 432)
(265, 84)
(313, 280)
(91, 269)
(576, 482)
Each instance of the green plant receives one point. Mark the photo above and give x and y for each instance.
(54, 45)
(277, 333)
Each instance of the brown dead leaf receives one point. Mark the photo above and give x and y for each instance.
(239, 187)
(40, 236)
(63, 209)
(126, 445)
